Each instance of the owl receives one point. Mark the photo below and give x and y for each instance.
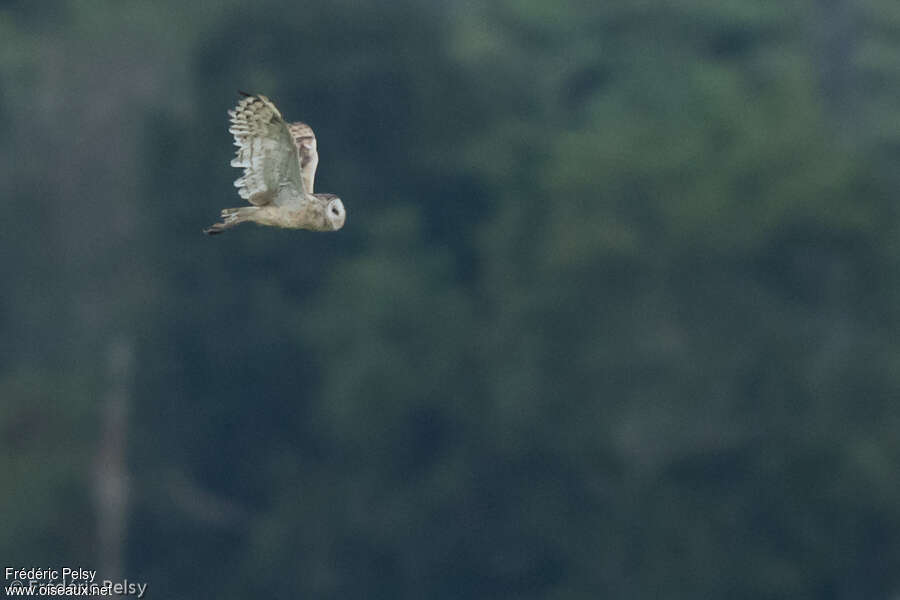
(279, 161)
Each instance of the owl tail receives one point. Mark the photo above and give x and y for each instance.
(230, 218)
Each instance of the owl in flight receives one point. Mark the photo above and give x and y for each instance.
(279, 161)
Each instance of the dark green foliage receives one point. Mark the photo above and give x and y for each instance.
(613, 315)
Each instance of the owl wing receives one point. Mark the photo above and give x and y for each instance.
(305, 140)
(265, 150)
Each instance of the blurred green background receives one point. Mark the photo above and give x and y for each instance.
(614, 314)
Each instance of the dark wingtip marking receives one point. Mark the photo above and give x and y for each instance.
(243, 93)
(212, 231)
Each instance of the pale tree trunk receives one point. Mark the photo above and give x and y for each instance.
(111, 473)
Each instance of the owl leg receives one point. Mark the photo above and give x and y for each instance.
(216, 228)
(230, 218)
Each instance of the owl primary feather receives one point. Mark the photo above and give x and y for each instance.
(279, 161)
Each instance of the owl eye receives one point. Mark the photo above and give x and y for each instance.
(335, 211)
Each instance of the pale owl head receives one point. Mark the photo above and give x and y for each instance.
(334, 212)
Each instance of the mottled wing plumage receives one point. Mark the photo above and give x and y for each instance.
(265, 150)
(305, 140)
